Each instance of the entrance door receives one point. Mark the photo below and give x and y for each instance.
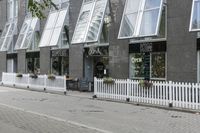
(95, 67)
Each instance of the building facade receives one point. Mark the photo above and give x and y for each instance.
(137, 39)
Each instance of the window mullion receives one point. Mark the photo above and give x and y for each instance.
(52, 28)
(160, 14)
(101, 23)
(90, 19)
(139, 18)
(6, 36)
(25, 34)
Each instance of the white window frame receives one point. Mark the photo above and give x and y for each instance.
(53, 28)
(138, 24)
(34, 21)
(89, 22)
(9, 34)
(150, 39)
(192, 15)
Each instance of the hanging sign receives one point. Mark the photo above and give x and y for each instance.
(146, 47)
(59, 53)
(98, 51)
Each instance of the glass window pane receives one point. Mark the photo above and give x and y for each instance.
(196, 16)
(149, 23)
(29, 34)
(22, 34)
(140, 19)
(82, 23)
(5, 30)
(129, 19)
(128, 25)
(149, 4)
(8, 36)
(97, 20)
(46, 35)
(53, 27)
(55, 36)
(136, 67)
(58, 28)
(158, 65)
(51, 20)
(61, 18)
(6, 44)
(132, 6)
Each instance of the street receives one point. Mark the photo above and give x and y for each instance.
(24, 111)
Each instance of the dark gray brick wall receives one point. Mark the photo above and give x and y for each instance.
(21, 61)
(21, 58)
(181, 45)
(2, 14)
(75, 51)
(3, 19)
(45, 60)
(118, 49)
(3, 63)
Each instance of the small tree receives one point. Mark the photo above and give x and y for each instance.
(37, 8)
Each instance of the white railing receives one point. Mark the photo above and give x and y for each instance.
(180, 95)
(42, 82)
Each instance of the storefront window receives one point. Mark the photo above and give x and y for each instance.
(60, 62)
(158, 65)
(136, 65)
(139, 68)
(60, 65)
(33, 65)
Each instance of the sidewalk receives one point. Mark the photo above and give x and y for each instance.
(80, 94)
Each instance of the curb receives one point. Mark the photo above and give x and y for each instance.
(153, 106)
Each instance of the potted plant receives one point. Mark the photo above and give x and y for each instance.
(51, 77)
(108, 80)
(145, 84)
(34, 76)
(19, 75)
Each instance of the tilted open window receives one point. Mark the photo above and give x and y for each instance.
(141, 18)
(53, 27)
(195, 16)
(26, 33)
(7, 35)
(90, 21)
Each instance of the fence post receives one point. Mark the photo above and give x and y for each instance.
(170, 94)
(45, 82)
(128, 90)
(64, 78)
(2, 80)
(14, 78)
(28, 86)
(95, 88)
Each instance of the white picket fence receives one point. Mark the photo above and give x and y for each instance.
(40, 83)
(164, 93)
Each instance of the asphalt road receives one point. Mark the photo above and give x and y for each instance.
(37, 112)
